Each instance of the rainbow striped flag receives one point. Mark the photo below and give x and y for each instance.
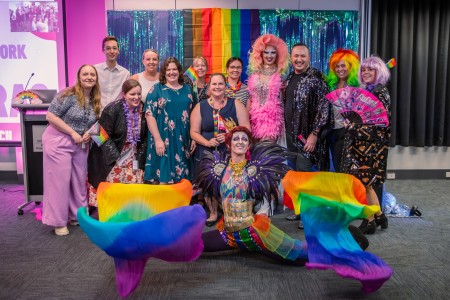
(98, 134)
(218, 34)
(190, 72)
(391, 63)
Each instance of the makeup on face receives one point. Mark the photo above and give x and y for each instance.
(239, 143)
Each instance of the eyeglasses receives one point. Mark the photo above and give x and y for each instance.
(235, 67)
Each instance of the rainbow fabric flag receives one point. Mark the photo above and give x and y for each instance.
(190, 72)
(218, 34)
(391, 63)
(98, 134)
(329, 202)
(142, 221)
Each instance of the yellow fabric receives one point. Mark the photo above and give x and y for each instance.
(339, 187)
(154, 199)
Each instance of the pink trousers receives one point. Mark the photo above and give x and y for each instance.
(65, 169)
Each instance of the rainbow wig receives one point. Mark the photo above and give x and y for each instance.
(256, 61)
(351, 60)
(382, 74)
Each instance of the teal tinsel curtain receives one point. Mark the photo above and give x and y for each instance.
(322, 31)
(140, 30)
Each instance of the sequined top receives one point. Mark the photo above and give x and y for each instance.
(237, 209)
(309, 111)
(78, 118)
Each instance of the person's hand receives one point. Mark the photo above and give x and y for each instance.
(193, 146)
(78, 139)
(213, 143)
(221, 137)
(311, 143)
(86, 137)
(160, 147)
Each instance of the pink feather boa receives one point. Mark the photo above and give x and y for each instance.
(267, 121)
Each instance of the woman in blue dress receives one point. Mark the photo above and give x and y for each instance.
(168, 107)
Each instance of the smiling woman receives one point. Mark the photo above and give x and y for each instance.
(210, 121)
(64, 141)
(167, 109)
(121, 158)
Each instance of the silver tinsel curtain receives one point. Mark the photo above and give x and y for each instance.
(322, 31)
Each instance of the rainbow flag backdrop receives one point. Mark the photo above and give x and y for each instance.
(218, 34)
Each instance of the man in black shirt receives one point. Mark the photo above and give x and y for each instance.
(307, 113)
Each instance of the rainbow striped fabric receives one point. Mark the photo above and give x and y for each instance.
(140, 221)
(98, 134)
(328, 203)
(391, 63)
(218, 34)
(191, 74)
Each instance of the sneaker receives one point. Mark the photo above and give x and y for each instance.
(293, 217)
(61, 231)
(73, 223)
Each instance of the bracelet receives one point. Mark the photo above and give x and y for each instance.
(314, 132)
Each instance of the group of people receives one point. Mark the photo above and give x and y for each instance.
(160, 125)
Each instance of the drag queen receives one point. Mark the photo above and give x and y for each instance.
(245, 183)
(269, 60)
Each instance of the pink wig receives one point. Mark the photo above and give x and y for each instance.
(260, 44)
(382, 74)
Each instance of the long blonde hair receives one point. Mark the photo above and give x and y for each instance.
(77, 90)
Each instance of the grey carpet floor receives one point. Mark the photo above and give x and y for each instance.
(36, 264)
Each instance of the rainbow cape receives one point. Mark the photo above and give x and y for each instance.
(191, 74)
(328, 202)
(139, 221)
(98, 134)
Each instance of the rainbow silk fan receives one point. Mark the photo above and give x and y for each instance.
(359, 106)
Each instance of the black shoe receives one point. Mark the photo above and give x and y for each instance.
(359, 237)
(293, 217)
(382, 221)
(367, 227)
(92, 209)
(212, 222)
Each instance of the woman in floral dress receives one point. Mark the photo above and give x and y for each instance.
(121, 158)
(168, 107)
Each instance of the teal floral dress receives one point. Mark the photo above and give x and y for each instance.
(171, 109)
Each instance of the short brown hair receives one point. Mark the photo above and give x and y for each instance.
(109, 38)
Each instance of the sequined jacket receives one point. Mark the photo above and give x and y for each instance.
(311, 112)
(101, 159)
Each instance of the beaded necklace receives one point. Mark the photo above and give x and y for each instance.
(133, 128)
(216, 114)
(238, 169)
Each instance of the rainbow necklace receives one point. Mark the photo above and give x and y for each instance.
(233, 90)
(216, 114)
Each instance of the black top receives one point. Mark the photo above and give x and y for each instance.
(101, 159)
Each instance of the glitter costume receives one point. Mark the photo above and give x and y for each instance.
(328, 203)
